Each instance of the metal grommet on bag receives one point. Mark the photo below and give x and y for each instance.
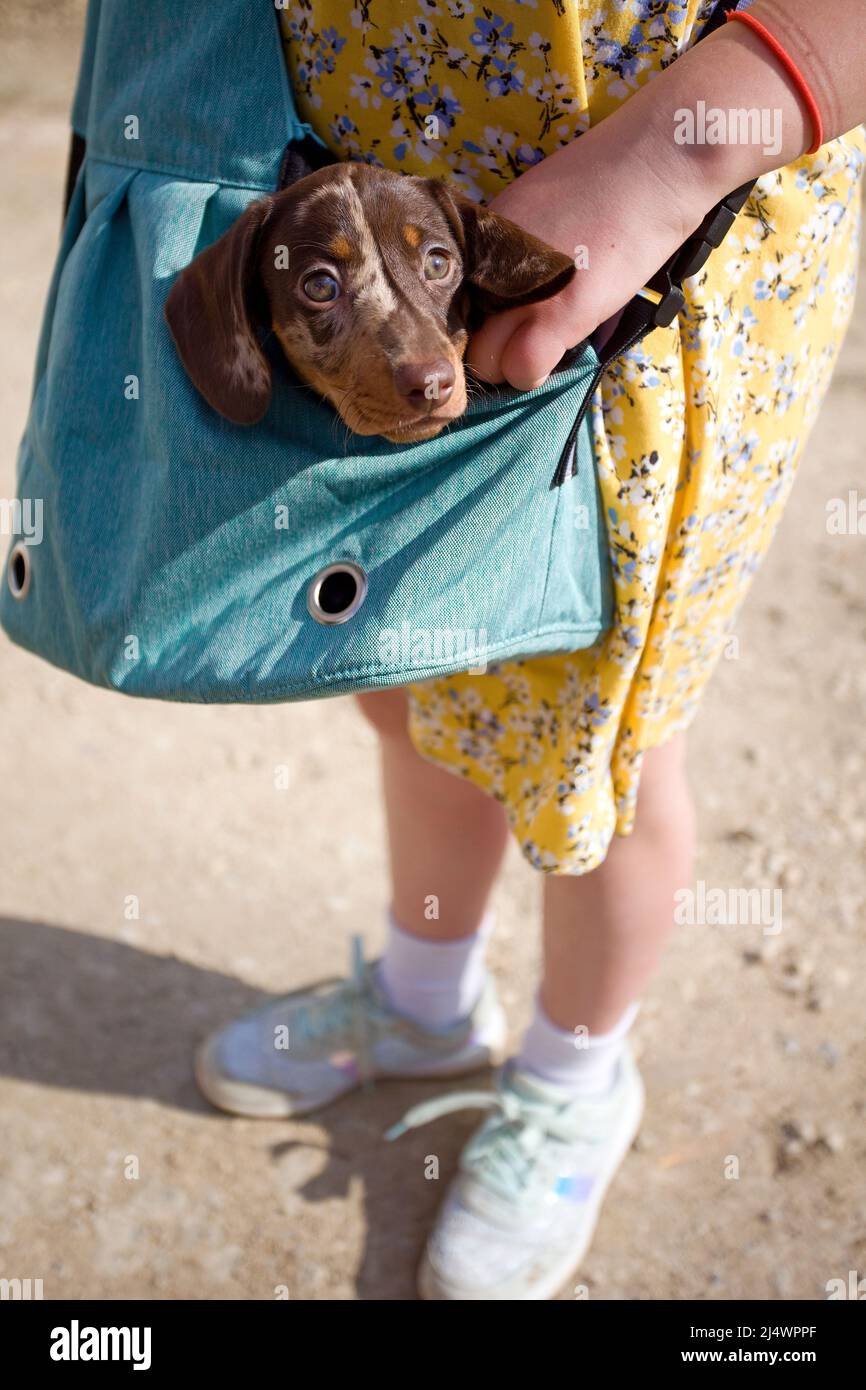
(336, 593)
(18, 570)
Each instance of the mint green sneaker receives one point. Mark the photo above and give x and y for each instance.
(305, 1049)
(520, 1215)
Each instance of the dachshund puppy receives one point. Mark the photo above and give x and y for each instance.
(371, 282)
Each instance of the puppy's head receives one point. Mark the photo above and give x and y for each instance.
(371, 282)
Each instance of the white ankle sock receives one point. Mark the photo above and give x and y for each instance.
(435, 983)
(585, 1066)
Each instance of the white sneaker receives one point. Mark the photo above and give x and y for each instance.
(520, 1215)
(307, 1048)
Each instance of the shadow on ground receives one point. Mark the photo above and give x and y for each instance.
(87, 1014)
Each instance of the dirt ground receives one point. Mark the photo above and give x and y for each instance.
(751, 1046)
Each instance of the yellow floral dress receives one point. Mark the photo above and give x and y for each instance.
(698, 430)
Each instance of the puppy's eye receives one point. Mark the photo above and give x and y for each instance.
(436, 265)
(321, 288)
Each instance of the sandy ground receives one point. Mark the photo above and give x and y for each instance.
(751, 1046)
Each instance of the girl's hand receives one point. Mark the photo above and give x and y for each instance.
(625, 195)
(616, 215)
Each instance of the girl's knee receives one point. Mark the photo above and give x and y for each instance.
(387, 711)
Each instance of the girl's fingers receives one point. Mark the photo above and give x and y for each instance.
(484, 353)
(522, 346)
(532, 352)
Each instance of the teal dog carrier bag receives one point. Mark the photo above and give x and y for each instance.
(172, 554)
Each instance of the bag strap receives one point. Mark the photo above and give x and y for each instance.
(662, 298)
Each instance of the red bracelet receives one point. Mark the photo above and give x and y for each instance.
(791, 67)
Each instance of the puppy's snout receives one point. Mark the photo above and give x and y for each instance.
(422, 382)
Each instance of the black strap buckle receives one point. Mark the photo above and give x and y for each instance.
(667, 302)
(692, 256)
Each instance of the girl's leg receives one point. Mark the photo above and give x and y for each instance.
(572, 1098)
(446, 839)
(604, 931)
(446, 842)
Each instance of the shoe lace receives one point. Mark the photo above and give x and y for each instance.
(351, 1007)
(504, 1152)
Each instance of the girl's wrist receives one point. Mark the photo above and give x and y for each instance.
(653, 176)
(722, 114)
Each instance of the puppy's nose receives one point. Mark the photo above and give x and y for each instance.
(421, 382)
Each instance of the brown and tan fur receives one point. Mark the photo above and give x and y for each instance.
(387, 350)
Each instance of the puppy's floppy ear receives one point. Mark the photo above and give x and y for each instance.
(504, 265)
(209, 311)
